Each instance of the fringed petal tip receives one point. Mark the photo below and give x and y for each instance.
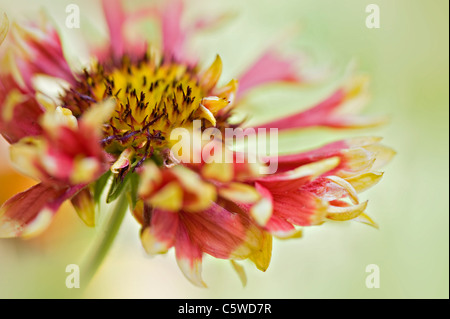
(192, 270)
(240, 271)
(366, 219)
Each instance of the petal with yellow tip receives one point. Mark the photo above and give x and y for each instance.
(210, 77)
(340, 213)
(366, 219)
(364, 181)
(169, 198)
(84, 205)
(214, 103)
(262, 256)
(123, 161)
(240, 271)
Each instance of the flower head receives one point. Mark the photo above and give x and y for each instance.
(110, 130)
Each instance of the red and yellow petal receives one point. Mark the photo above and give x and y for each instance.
(269, 68)
(30, 212)
(19, 111)
(189, 256)
(38, 50)
(160, 235)
(84, 205)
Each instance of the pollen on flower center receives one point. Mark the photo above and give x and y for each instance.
(152, 98)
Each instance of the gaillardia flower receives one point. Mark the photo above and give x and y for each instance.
(106, 135)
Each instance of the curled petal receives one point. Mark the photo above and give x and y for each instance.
(214, 103)
(345, 212)
(123, 161)
(211, 76)
(347, 186)
(364, 181)
(204, 113)
(52, 120)
(227, 92)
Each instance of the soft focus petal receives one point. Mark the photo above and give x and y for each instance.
(160, 235)
(39, 51)
(216, 231)
(115, 18)
(173, 34)
(4, 27)
(30, 212)
(328, 112)
(189, 257)
(84, 205)
(19, 111)
(270, 67)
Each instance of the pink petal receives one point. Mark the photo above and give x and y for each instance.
(269, 68)
(44, 54)
(23, 119)
(216, 230)
(164, 226)
(189, 256)
(300, 208)
(292, 161)
(319, 115)
(115, 18)
(173, 34)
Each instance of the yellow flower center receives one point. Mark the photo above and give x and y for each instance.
(152, 99)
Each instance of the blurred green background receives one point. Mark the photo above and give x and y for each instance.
(407, 61)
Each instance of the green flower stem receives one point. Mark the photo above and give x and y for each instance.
(103, 241)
